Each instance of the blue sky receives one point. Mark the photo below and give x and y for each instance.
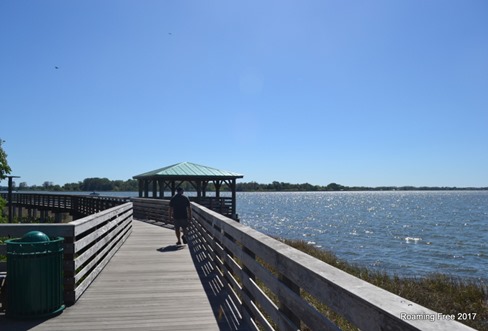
(366, 93)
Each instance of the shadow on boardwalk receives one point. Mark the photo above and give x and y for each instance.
(150, 284)
(225, 311)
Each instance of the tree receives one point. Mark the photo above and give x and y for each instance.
(334, 187)
(4, 171)
(4, 167)
(72, 187)
(96, 184)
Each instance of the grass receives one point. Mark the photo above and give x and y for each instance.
(438, 292)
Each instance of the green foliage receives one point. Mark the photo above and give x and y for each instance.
(4, 170)
(3, 203)
(4, 167)
(104, 184)
(88, 185)
(276, 186)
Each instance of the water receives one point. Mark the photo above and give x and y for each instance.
(402, 233)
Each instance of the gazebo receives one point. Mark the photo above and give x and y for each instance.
(199, 176)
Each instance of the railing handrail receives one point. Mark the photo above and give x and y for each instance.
(77, 205)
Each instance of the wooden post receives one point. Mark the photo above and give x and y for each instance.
(146, 188)
(10, 202)
(204, 188)
(199, 188)
(284, 309)
(42, 218)
(218, 184)
(155, 188)
(69, 268)
(161, 188)
(234, 198)
(141, 187)
(249, 274)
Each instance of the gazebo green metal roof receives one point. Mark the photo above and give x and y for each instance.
(189, 170)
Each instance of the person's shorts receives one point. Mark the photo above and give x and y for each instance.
(181, 223)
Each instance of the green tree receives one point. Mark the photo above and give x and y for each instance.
(4, 167)
(4, 171)
(72, 187)
(335, 187)
(96, 184)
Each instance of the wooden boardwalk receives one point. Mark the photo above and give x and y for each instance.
(150, 284)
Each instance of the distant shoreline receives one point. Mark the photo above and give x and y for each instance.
(345, 189)
(106, 185)
(97, 184)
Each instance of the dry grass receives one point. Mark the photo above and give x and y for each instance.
(441, 293)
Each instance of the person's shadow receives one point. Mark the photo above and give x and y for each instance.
(170, 248)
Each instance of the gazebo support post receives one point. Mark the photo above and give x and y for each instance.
(199, 188)
(204, 188)
(161, 188)
(155, 188)
(217, 184)
(234, 199)
(141, 187)
(146, 188)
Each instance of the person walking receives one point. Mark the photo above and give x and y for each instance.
(180, 214)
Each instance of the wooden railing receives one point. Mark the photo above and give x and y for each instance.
(154, 209)
(273, 286)
(89, 243)
(151, 209)
(76, 205)
(222, 205)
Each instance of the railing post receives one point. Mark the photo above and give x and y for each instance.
(283, 308)
(10, 202)
(69, 268)
(75, 207)
(251, 276)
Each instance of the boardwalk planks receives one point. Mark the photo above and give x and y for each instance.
(150, 284)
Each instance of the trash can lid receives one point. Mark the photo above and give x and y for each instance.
(35, 236)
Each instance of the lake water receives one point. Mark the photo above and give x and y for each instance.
(404, 233)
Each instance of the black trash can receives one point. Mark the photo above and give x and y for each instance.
(34, 276)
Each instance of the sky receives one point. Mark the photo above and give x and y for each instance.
(359, 93)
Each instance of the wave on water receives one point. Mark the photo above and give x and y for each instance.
(412, 240)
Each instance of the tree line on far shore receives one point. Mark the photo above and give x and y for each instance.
(88, 185)
(131, 185)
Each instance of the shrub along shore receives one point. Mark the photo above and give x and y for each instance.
(444, 294)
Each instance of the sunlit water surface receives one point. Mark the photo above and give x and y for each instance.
(403, 233)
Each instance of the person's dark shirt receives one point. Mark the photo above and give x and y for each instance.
(179, 203)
